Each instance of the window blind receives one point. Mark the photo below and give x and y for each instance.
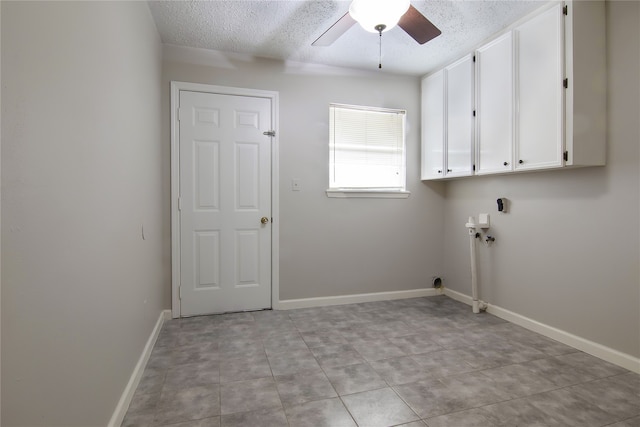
(366, 148)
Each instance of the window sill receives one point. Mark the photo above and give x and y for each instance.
(371, 194)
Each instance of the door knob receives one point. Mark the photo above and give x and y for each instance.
(264, 220)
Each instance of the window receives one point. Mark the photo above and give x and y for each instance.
(366, 152)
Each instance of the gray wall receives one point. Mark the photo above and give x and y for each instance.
(81, 175)
(0, 218)
(567, 253)
(85, 165)
(334, 246)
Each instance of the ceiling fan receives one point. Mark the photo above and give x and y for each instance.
(378, 16)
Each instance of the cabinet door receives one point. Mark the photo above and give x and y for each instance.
(433, 126)
(494, 112)
(459, 118)
(539, 91)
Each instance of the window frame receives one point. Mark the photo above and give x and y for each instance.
(367, 192)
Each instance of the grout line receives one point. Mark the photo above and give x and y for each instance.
(328, 313)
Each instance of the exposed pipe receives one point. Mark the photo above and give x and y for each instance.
(471, 225)
(477, 305)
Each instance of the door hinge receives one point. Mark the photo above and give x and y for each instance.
(565, 10)
(269, 133)
(179, 203)
(474, 58)
(474, 167)
(565, 83)
(179, 292)
(474, 113)
(565, 156)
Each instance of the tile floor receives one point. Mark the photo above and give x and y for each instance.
(412, 362)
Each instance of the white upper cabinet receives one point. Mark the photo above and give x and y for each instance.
(433, 126)
(447, 121)
(540, 98)
(459, 118)
(494, 101)
(539, 91)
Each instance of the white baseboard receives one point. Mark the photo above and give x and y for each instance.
(290, 304)
(458, 296)
(598, 350)
(134, 380)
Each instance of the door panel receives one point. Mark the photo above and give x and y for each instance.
(207, 256)
(459, 83)
(433, 126)
(207, 165)
(225, 189)
(247, 167)
(247, 242)
(495, 105)
(539, 67)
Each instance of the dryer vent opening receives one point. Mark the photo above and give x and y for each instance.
(436, 282)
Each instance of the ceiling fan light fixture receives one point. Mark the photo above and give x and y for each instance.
(372, 14)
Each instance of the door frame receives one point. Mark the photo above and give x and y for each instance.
(176, 87)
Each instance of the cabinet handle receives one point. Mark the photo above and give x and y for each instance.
(506, 163)
(449, 170)
(439, 171)
(521, 161)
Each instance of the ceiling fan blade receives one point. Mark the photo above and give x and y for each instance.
(335, 31)
(417, 26)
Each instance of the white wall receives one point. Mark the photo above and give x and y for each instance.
(567, 252)
(85, 166)
(0, 216)
(331, 247)
(81, 175)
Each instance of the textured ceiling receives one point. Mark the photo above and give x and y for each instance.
(285, 30)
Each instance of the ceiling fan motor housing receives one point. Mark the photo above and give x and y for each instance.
(377, 16)
(386, 15)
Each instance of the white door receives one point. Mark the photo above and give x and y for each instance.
(225, 203)
(459, 95)
(494, 83)
(433, 126)
(539, 140)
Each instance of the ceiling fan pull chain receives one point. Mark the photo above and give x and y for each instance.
(380, 53)
(380, 29)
